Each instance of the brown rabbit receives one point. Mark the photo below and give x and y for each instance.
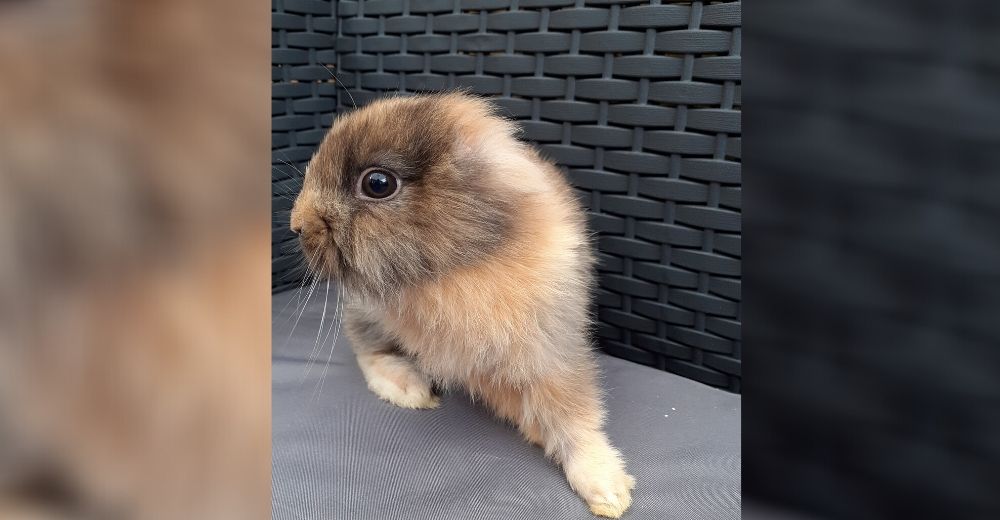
(466, 262)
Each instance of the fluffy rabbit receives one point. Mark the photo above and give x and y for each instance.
(466, 262)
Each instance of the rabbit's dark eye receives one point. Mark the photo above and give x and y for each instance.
(378, 184)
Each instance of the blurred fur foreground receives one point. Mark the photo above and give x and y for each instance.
(134, 303)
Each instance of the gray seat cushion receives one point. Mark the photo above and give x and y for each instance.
(341, 453)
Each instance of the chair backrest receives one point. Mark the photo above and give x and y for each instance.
(639, 101)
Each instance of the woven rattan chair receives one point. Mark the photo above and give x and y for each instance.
(640, 103)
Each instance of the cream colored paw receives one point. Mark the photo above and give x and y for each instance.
(611, 498)
(602, 482)
(411, 393)
(396, 380)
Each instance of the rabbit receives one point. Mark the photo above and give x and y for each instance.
(466, 263)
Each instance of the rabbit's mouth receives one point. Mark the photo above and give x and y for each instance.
(320, 253)
(332, 261)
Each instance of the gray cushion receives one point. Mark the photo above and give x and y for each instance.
(341, 453)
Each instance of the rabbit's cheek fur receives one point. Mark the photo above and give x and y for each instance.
(429, 231)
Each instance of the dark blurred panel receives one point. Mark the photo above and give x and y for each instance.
(872, 264)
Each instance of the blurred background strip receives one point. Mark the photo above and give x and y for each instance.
(873, 259)
(134, 302)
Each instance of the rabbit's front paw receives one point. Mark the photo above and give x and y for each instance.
(395, 379)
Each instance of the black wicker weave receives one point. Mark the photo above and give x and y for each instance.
(303, 105)
(638, 101)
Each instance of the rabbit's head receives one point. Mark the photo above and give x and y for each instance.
(407, 189)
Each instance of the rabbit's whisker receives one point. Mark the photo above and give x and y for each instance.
(341, 85)
(339, 315)
(319, 330)
(303, 309)
(296, 168)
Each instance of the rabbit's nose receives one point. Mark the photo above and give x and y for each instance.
(297, 228)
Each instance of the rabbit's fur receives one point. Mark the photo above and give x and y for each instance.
(476, 273)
